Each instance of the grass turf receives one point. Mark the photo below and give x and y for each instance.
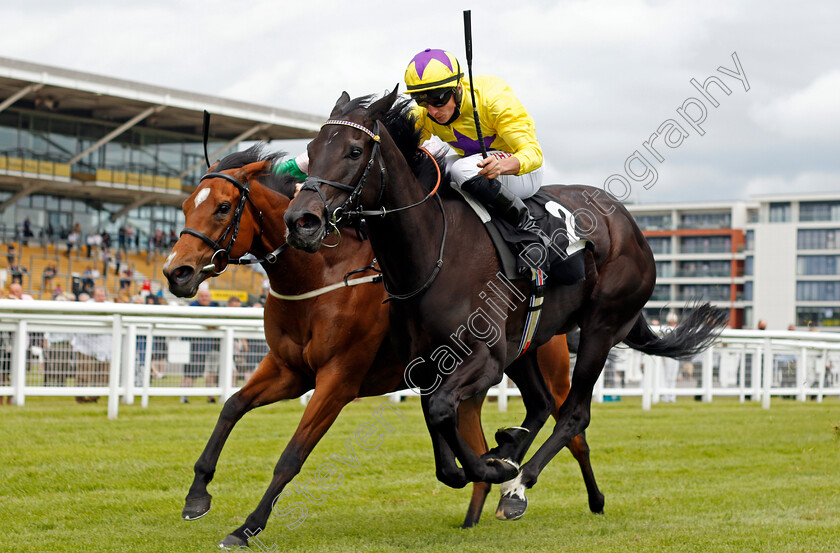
(683, 477)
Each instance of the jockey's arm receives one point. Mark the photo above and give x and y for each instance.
(295, 166)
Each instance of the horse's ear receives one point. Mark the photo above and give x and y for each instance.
(251, 170)
(381, 106)
(339, 105)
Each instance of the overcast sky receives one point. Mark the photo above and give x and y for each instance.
(599, 78)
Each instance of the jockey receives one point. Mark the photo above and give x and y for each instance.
(512, 170)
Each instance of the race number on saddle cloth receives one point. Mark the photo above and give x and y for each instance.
(519, 252)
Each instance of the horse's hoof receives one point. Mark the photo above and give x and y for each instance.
(231, 543)
(196, 508)
(511, 507)
(513, 502)
(507, 468)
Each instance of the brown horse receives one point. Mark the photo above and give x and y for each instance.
(437, 259)
(335, 343)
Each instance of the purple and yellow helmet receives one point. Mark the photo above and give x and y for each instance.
(431, 69)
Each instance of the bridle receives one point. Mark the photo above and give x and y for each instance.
(223, 252)
(356, 213)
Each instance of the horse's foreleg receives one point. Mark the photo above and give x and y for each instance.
(573, 416)
(469, 424)
(539, 405)
(331, 394)
(474, 376)
(447, 470)
(271, 382)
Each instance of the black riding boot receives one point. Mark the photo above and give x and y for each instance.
(499, 200)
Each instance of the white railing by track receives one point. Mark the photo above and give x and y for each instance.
(150, 350)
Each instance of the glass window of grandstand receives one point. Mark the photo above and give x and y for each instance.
(818, 291)
(818, 265)
(749, 240)
(819, 211)
(705, 220)
(817, 239)
(661, 292)
(705, 292)
(747, 294)
(659, 244)
(664, 269)
(654, 222)
(705, 244)
(704, 269)
(748, 265)
(779, 212)
(818, 316)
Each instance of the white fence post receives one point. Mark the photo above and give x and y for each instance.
(598, 392)
(647, 385)
(226, 368)
(801, 372)
(503, 395)
(19, 355)
(742, 376)
(708, 374)
(114, 373)
(757, 368)
(147, 367)
(767, 358)
(129, 364)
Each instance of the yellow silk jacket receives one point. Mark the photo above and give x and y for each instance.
(505, 125)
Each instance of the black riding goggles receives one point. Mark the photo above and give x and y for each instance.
(436, 98)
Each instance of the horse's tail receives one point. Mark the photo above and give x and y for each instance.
(691, 336)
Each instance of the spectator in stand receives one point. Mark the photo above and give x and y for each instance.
(201, 350)
(58, 291)
(89, 276)
(92, 241)
(106, 260)
(121, 234)
(762, 324)
(106, 240)
(17, 272)
(125, 278)
(47, 277)
(27, 231)
(11, 254)
(16, 293)
(72, 240)
(93, 354)
(118, 258)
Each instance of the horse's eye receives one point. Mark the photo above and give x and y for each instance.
(223, 209)
(355, 152)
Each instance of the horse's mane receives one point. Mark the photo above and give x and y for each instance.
(284, 184)
(400, 123)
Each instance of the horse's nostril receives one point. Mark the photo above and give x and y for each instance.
(182, 273)
(309, 221)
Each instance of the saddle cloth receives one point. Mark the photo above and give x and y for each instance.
(520, 251)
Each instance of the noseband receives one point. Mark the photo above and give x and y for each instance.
(314, 183)
(223, 252)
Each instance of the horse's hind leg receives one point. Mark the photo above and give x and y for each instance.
(469, 423)
(580, 451)
(270, 383)
(556, 367)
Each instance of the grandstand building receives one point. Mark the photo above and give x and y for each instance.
(104, 153)
(773, 257)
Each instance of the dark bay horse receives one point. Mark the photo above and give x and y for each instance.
(437, 261)
(335, 343)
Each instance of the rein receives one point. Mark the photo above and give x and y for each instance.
(223, 252)
(334, 217)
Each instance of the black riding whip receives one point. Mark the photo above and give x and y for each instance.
(206, 136)
(468, 44)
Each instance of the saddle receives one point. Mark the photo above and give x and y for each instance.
(521, 251)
